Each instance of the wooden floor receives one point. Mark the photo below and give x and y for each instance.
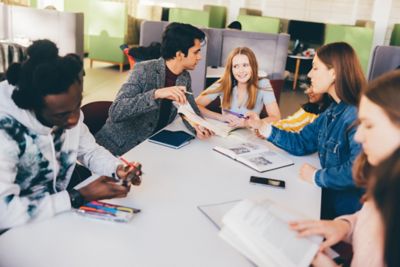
(103, 81)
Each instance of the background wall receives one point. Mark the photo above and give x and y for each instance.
(331, 11)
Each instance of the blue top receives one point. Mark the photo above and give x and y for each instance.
(332, 136)
(265, 96)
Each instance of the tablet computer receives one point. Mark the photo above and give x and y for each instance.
(173, 139)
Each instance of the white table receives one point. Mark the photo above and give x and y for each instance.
(170, 230)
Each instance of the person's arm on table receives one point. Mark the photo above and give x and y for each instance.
(204, 99)
(133, 100)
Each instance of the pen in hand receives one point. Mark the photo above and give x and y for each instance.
(133, 177)
(239, 115)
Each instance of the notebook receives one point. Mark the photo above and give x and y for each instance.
(172, 139)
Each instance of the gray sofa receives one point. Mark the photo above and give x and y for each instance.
(270, 49)
(384, 59)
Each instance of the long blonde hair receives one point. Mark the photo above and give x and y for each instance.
(227, 80)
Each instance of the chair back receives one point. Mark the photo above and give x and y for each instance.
(384, 59)
(95, 115)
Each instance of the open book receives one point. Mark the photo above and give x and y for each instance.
(219, 128)
(215, 211)
(260, 231)
(256, 156)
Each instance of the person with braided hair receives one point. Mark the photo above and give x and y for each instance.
(42, 136)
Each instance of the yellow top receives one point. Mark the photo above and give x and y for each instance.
(296, 122)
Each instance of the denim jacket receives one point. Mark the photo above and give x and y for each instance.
(332, 136)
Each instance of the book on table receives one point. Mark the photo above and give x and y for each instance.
(255, 156)
(215, 211)
(172, 139)
(260, 231)
(218, 127)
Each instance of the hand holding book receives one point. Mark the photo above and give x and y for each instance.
(234, 119)
(333, 231)
(259, 230)
(219, 128)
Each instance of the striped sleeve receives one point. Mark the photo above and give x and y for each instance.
(296, 122)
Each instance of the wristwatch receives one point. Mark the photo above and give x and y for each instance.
(76, 198)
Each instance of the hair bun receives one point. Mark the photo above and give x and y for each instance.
(12, 73)
(42, 50)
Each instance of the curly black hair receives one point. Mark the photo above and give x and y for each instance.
(43, 73)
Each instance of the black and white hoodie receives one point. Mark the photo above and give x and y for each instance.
(36, 163)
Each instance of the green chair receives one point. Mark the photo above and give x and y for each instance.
(360, 38)
(259, 24)
(395, 37)
(195, 17)
(33, 3)
(108, 29)
(217, 15)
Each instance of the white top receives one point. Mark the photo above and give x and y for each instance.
(265, 96)
(170, 230)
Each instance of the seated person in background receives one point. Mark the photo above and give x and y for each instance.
(240, 91)
(144, 103)
(374, 230)
(317, 103)
(235, 25)
(336, 71)
(142, 53)
(42, 135)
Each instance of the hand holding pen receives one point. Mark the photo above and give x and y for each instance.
(130, 172)
(238, 115)
(234, 119)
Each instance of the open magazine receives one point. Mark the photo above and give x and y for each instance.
(256, 156)
(260, 231)
(219, 128)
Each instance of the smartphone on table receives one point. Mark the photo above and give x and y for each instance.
(267, 181)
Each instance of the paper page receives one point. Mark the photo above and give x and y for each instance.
(241, 149)
(230, 237)
(268, 236)
(214, 212)
(219, 128)
(265, 160)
